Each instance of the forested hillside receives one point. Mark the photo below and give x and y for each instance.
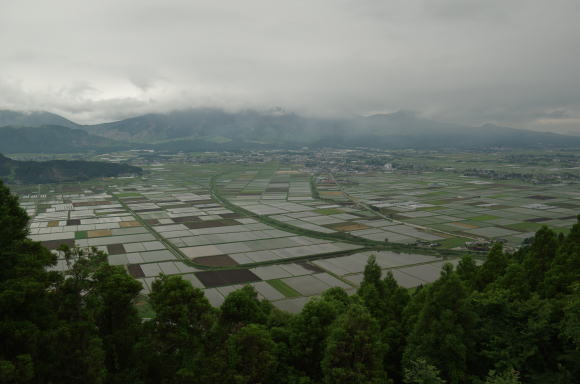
(55, 171)
(197, 128)
(33, 119)
(514, 319)
(52, 139)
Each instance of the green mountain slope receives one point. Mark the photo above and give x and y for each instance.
(33, 119)
(52, 139)
(215, 129)
(199, 128)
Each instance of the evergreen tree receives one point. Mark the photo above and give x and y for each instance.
(493, 268)
(508, 377)
(443, 332)
(353, 353)
(386, 300)
(309, 331)
(25, 308)
(174, 348)
(116, 317)
(421, 372)
(75, 337)
(467, 271)
(251, 356)
(243, 307)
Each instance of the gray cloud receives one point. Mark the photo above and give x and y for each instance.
(510, 62)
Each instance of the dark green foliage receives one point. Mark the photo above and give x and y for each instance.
(251, 355)
(309, 331)
(421, 372)
(443, 333)
(177, 335)
(353, 352)
(467, 271)
(25, 311)
(13, 220)
(242, 307)
(516, 318)
(116, 318)
(494, 267)
(508, 377)
(386, 300)
(39, 172)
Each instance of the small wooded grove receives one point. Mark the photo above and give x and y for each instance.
(516, 318)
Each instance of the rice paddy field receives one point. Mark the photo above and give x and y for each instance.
(467, 207)
(290, 232)
(288, 198)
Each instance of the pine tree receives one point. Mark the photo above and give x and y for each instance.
(251, 356)
(353, 353)
(442, 334)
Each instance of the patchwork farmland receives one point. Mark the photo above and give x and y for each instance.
(289, 232)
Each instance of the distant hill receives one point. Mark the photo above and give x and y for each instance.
(55, 171)
(212, 128)
(214, 125)
(215, 129)
(52, 139)
(33, 119)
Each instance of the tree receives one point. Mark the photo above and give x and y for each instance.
(243, 307)
(539, 256)
(442, 334)
(493, 268)
(25, 307)
(116, 317)
(353, 353)
(467, 271)
(393, 336)
(564, 270)
(386, 300)
(421, 372)
(309, 330)
(176, 339)
(75, 337)
(251, 356)
(508, 377)
(13, 219)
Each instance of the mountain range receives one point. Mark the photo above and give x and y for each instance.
(215, 129)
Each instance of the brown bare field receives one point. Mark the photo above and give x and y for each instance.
(116, 249)
(229, 277)
(128, 224)
(54, 244)
(135, 270)
(99, 233)
(92, 203)
(185, 219)
(215, 261)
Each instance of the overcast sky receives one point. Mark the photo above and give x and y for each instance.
(512, 62)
